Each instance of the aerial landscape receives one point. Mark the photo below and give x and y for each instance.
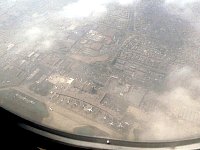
(120, 69)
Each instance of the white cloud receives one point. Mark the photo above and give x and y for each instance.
(180, 3)
(33, 33)
(83, 8)
(185, 9)
(177, 116)
(86, 8)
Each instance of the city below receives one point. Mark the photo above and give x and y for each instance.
(120, 69)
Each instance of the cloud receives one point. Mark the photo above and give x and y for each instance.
(181, 3)
(86, 8)
(177, 115)
(33, 33)
(185, 9)
(83, 8)
(36, 37)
